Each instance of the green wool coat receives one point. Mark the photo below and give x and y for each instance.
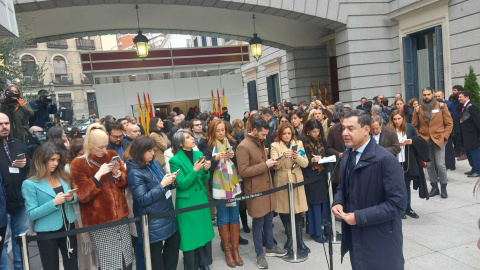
(195, 227)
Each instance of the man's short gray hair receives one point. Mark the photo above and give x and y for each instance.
(378, 119)
(178, 139)
(377, 109)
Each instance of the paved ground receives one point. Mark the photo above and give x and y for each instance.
(444, 237)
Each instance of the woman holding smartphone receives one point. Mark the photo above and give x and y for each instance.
(409, 155)
(196, 229)
(151, 189)
(219, 147)
(48, 202)
(101, 184)
(289, 170)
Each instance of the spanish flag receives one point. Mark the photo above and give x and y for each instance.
(224, 102)
(150, 108)
(214, 108)
(326, 95)
(140, 112)
(312, 93)
(147, 117)
(319, 91)
(218, 102)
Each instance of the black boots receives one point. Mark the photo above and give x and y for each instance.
(434, 191)
(243, 217)
(300, 244)
(444, 194)
(288, 232)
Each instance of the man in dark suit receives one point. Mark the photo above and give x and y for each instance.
(362, 103)
(470, 126)
(384, 136)
(449, 150)
(459, 152)
(370, 199)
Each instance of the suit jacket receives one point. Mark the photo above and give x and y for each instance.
(389, 141)
(39, 196)
(439, 128)
(470, 125)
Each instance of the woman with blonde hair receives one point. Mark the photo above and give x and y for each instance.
(100, 178)
(219, 147)
(48, 202)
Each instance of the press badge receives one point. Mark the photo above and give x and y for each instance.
(435, 111)
(12, 169)
(168, 194)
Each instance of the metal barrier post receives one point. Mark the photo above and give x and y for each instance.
(294, 256)
(335, 239)
(146, 243)
(24, 251)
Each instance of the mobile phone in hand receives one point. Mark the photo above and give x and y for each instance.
(280, 157)
(230, 148)
(294, 148)
(114, 159)
(201, 159)
(72, 190)
(21, 156)
(175, 173)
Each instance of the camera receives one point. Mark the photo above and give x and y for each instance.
(8, 97)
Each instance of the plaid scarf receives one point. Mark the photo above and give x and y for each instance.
(225, 180)
(314, 147)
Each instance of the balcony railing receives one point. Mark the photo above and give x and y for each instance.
(85, 44)
(85, 79)
(58, 44)
(30, 80)
(62, 79)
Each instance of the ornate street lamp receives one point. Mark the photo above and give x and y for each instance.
(140, 41)
(255, 43)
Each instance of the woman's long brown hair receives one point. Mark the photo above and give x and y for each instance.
(391, 125)
(39, 169)
(212, 127)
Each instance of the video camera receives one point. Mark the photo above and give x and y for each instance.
(9, 96)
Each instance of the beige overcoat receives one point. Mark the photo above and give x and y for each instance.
(284, 175)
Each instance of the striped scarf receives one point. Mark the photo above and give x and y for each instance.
(225, 180)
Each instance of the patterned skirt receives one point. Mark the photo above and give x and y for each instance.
(111, 245)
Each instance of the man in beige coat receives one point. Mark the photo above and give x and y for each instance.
(433, 122)
(254, 168)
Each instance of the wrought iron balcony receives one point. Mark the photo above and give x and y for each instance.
(85, 44)
(62, 79)
(58, 44)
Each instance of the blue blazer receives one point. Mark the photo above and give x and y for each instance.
(39, 197)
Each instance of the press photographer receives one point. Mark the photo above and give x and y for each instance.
(18, 112)
(42, 107)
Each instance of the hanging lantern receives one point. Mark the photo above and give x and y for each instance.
(141, 44)
(255, 43)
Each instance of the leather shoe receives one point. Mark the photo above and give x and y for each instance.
(462, 157)
(404, 216)
(411, 213)
(443, 193)
(474, 175)
(470, 172)
(243, 241)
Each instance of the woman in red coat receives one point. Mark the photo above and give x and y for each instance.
(101, 195)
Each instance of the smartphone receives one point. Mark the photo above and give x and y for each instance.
(408, 140)
(230, 148)
(294, 148)
(114, 159)
(71, 190)
(175, 173)
(314, 98)
(201, 159)
(278, 158)
(21, 156)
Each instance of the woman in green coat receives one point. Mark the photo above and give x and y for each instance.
(196, 229)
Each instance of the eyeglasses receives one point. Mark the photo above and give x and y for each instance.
(117, 137)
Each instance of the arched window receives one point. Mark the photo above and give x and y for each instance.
(28, 65)
(59, 65)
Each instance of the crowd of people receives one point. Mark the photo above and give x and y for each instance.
(61, 181)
